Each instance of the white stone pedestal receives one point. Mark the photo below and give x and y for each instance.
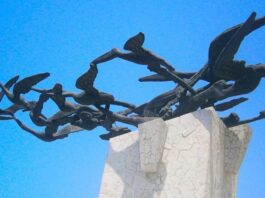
(192, 156)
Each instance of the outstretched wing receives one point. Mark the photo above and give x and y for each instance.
(154, 78)
(160, 78)
(226, 45)
(229, 104)
(220, 42)
(67, 130)
(60, 114)
(135, 42)
(24, 86)
(86, 81)
(232, 46)
(8, 85)
(11, 82)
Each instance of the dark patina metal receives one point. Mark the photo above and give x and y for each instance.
(225, 77)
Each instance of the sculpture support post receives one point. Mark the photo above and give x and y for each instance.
(200, 157)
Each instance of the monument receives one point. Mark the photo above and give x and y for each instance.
(194, 155)
(182, 148)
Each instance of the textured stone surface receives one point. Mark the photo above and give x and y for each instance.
(200, 159)
(236, 142)
(152, 137)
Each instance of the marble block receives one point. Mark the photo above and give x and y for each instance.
(152, 137)
(194, 155)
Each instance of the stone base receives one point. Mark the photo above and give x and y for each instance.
(194, 155)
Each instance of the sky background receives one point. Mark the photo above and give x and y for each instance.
(62, 37)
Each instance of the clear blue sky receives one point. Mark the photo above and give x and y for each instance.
(62, 37)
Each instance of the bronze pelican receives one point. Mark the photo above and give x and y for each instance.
(47, 135)
(23, 87)
(221, 53)
(8, 85)
(89, 96)
(140, 55)
(220, 61)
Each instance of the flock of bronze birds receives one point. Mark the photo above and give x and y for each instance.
(225, 78)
